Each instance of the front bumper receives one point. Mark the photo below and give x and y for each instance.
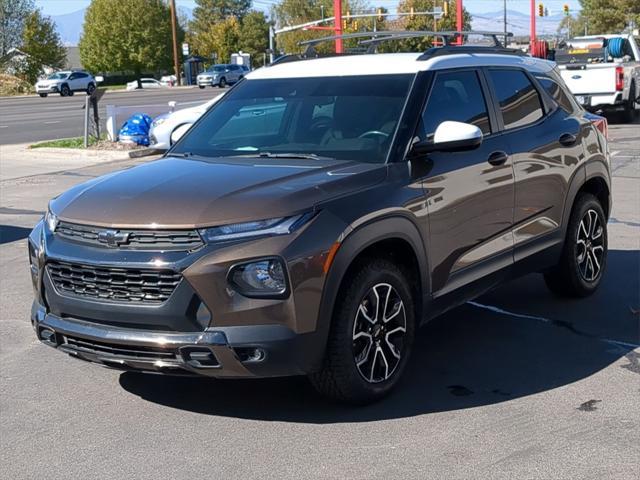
(49, 89)
(232, 352)
(207, 82)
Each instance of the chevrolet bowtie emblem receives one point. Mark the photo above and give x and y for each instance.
(113, 238)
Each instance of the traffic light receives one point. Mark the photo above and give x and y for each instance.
(412, 13)
(565, 9)
(445, 9)
(380, 16)
(540, 10)
(348, 17)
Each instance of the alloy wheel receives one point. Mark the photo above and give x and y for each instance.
(590, 246)
(378, 333)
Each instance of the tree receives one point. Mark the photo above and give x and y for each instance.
(424, 22)
(209, 12)
(609, 16)
(220, 40)
(13, 14)
(42, 44)
(121, 36)
(254, 36)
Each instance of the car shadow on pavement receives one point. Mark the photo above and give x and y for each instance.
(517, 340)
(10, 233)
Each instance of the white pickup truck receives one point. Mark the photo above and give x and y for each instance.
(603, 72)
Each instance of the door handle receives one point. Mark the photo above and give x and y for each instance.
(497, 158)
(567, 140)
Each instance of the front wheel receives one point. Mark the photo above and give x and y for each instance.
(584, 256)
(201, 87)
(371, 335)
(43, 95)
(65, 91)
(222, 83)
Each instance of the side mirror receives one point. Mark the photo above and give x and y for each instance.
(99, 79)
(179, 132)
(450, 137)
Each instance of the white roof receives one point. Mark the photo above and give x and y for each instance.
(391, 63)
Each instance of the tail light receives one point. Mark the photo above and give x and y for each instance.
(619, 79)
(599, 122)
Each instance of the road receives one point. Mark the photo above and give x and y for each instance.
(33, 119)
(518, 384)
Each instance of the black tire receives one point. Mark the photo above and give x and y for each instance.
(65, 91)
(222, 82)
(630, 113)
(201, 87)
(43, 95)
(573, 277)
(91, 88)
(348, 357)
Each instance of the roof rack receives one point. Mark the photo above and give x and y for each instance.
(372, 39)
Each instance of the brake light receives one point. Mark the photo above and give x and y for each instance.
(599, 122)
(619, 79)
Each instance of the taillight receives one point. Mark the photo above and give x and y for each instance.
(619, 79)
(599, 122)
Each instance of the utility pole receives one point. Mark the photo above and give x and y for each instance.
(504, 21)
(174, 33)
(459, 20)
(337, 14)
(532, 25)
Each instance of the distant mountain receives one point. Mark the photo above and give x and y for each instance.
(69, 25)
(517, 22)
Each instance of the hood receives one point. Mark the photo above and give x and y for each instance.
(188, 193)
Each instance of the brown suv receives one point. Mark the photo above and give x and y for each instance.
(312, 219)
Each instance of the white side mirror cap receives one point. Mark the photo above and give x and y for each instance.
(450, 131)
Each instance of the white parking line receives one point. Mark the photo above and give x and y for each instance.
(4, 126)
(51, 123)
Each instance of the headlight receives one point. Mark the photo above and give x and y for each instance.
(51, 220)
(159, 120)
(263, 278)
(272, 226)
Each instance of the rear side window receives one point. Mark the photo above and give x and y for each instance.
(455, 96)
(557, 93)
(519, 100)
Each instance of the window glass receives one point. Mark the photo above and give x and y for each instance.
(455, 96)
(348, 118)
(557, 93)
(519, 100)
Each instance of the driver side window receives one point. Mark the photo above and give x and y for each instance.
(455, 96)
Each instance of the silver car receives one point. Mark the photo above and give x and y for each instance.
(66, 83)
(221, 75)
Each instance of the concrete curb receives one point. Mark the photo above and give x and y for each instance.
(121, 90)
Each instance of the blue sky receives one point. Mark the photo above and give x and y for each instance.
(59, 7)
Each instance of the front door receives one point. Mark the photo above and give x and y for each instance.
(470, 194)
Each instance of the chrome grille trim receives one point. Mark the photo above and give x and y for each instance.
(136, 239)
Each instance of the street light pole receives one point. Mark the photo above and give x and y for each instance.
(505, 23)
(337, 15)
(174, 34)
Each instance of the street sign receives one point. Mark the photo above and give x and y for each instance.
(185, 49)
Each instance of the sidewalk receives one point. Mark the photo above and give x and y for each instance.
(20, 161)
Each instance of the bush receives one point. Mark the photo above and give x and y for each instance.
(10, 85)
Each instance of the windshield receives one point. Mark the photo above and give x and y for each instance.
(58, 76)
(217, 68)
(349, 118)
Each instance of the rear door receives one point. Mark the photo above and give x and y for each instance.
(546, 145)
(469, 194)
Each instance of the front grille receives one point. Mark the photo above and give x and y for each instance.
(114, 284)
(183, 240)
(128, 351)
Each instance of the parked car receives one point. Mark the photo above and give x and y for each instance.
(221, 75)
(603, 72)
(167, 125)
(321, 212)
(168, 80)
(66, 83)
(146, 83)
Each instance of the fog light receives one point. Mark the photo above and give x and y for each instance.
(264, 278)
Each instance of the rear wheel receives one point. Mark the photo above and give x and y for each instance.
(630, 112)
(201, 86)
(371, 335)
(584, 256)
(91, 88)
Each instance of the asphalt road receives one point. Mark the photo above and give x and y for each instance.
(518, 384)
(33, 119)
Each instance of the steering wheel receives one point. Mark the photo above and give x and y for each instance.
(372, 133)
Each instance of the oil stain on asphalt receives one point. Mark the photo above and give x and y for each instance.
(589, 406)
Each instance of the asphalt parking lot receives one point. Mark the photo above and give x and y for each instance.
(517, 384)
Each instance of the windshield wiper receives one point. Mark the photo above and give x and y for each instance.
(305, 156)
